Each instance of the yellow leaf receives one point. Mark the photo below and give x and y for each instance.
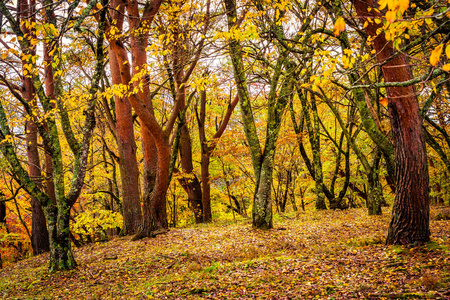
(436, 55)
(390, 16)
(404, 4)
(99, 6)
(446, 68)
(447, 51)
(339, 26)
(382, 4)
(384, 101)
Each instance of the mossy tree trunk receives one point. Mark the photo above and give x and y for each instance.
(262, 161)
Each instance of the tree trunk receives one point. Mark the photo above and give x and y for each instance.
(61, 257)
(207, 148)
(410, 214)
(262, 204)
(129, 172)
(314, 139)
(206, 185)
(374, 194)
(154, 206)
(2, 211)
(39, 233)
(190, 184)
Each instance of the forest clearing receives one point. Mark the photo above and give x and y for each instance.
(322, 255)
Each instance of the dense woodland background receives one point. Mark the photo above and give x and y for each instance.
(132, 117)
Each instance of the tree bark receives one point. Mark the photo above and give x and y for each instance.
(39, 233)
(61, 257)
(190, 182)
(154, 207)
(129, 172)
(410, 215)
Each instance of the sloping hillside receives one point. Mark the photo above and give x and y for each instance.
(325, 255)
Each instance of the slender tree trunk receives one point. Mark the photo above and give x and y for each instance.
(191, 184)
(286, 191)
(39, 233)
(314, 139)
(207, 148)
(410, 215)
(375, 198)
(206, 187)
(374, 194)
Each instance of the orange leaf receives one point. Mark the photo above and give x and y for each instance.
(339, 26)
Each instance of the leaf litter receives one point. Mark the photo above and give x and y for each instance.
(321, 255)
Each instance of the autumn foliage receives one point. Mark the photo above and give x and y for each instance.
(122, 121)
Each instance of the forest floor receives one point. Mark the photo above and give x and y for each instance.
(322, 255)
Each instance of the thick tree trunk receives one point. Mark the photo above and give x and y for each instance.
(154, 206)
(410, 214)
(129, 172)
(154, 196)
(262, 204)
(61, 257)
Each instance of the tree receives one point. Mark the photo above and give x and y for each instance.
(185, 54)
(124, 133)
(57, 214)
(39, 232)
(207, 147)
(262, 160)
(410, 215)
(154, 202)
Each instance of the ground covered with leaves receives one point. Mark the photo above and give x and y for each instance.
(323, 255)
